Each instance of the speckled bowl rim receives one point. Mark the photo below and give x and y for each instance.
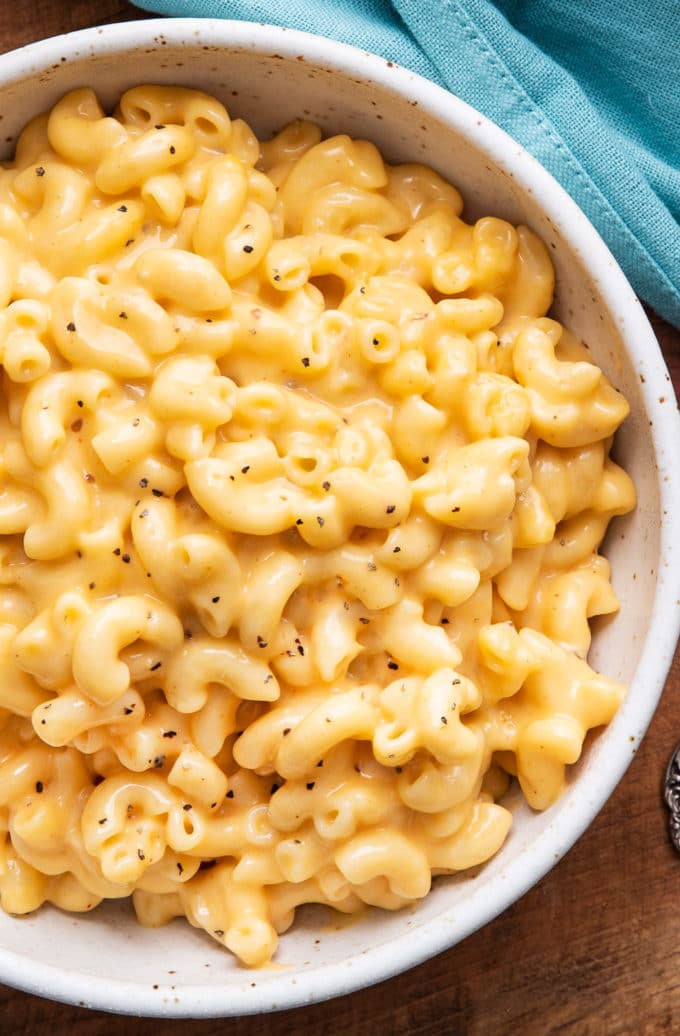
(431, 938)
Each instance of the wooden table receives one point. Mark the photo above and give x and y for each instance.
(593, 950)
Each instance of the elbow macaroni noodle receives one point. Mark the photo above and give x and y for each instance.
(301, 500)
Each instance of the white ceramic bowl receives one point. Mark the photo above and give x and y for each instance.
(268, 76)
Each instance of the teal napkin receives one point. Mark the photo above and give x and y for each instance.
(590, 87)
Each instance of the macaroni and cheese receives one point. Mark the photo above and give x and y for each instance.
(302, 494)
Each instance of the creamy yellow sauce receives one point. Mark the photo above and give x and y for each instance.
(300, 505)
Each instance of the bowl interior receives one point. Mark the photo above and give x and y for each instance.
(269, 77)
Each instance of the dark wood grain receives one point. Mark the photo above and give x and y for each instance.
(23, 21)
(593, 950)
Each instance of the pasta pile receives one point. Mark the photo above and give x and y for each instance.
(301, 500)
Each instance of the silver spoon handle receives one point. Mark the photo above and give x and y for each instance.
(672, 795)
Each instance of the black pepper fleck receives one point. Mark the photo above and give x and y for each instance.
(248, 249)
(169, 733)
(39, 786)
(392, 665)
(305, 361)
(71, 327)
(155, 666)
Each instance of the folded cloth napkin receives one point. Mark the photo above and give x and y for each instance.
(591, 89)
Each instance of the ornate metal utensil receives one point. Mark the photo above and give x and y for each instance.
(672, 795)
